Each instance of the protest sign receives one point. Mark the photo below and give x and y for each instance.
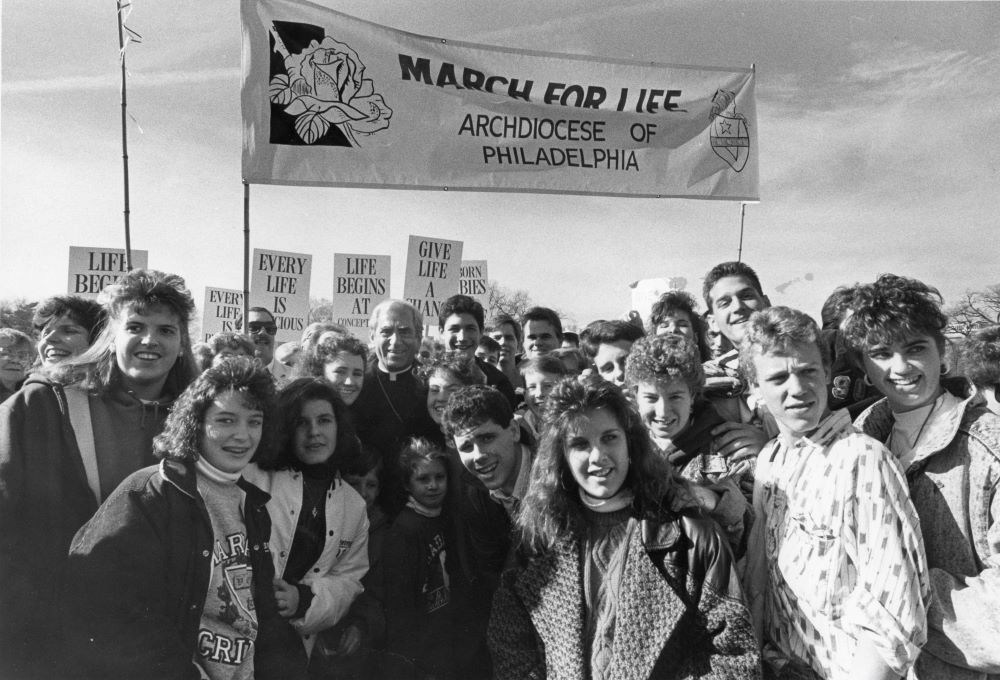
(331, 100)
(279, 282)
(360, 282)
(475, 282)
(222, 312)
(432, 273)
(93, 268)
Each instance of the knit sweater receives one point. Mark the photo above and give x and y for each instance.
(602, 556)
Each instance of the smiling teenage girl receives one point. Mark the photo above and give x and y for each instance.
(171, 578)
(320, 538)
(69, 437)
(949, 446)
(620, 575)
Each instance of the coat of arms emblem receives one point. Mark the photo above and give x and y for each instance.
(728, 133)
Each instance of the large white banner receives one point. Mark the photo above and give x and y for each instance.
(279, 282)
(332, 100)
(93, 268)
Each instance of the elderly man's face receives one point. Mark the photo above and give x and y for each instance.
(396, 338)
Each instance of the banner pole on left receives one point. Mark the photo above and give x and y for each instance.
(121, 55)
(246, 257)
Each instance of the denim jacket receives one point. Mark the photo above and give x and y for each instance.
(953, 482)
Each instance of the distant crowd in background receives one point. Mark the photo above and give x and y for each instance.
(739, 493)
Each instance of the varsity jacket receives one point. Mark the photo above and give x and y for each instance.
(335, 578)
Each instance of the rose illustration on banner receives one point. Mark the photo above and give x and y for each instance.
(325, 86)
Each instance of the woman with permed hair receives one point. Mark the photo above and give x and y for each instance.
(66, 326)
(338, 358)
(444, 373)
(69, 438)
(948, 443)
(619, 573)
(171, 577)
(320, 539)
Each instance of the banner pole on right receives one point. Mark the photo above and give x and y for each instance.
(246, 257)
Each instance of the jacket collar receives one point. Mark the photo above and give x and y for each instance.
(183, 476)
(878, 419)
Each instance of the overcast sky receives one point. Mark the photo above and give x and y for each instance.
(879, 134)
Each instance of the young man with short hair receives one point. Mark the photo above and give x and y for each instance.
(733, 293)
(540, 376)
(836, 570)
(506, 330)
(489, 351)
(496, 457)
(607, 344)
(461, 324)
(542, 331)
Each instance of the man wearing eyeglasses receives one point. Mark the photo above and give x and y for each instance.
(15, 359)
(262, 328)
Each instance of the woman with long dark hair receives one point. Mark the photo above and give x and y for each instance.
(320, 538)
(619, 573)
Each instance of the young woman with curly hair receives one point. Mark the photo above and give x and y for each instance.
(320, 537)
(948, 443)
(338, 358)
(68, 439)
(619, 574)
(444, 373)
(171, 578)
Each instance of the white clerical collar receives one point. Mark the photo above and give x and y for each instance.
(393, 374)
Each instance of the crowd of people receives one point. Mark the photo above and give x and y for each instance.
(738, 493)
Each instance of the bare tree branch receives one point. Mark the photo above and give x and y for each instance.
(977, 308)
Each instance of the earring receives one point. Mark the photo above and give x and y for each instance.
(945, 369)
(867, 381)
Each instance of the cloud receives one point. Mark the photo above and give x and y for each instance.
(113, 81)
(901, 122)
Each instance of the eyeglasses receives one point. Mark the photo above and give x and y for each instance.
(258, 326)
